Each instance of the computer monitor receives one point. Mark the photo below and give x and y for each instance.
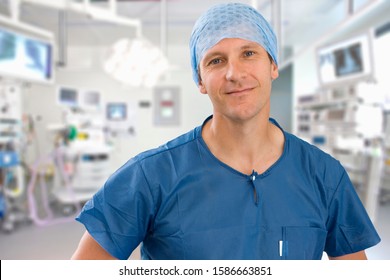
(24, 57)
(90, 100)
(116, 111)
(68, 96)
(346, 61)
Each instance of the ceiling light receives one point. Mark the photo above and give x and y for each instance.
(135, 62)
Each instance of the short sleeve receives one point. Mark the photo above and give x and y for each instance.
(119, 215)
(349, 227)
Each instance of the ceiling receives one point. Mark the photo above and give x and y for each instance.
(180, 14)
(302, 20)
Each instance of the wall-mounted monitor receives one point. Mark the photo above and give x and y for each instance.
(68, 96)
(347, 61)
(25, 57)
(116, 111)
(120, 119)
(90, 100)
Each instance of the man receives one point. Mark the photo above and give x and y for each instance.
(237, 187)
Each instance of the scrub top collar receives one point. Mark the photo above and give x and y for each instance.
(254, 175)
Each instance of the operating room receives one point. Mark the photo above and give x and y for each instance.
(85, 85)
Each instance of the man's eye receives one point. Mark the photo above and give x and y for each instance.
(249, 53)
(215, 61)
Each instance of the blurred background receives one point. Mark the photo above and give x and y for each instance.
(87, 84)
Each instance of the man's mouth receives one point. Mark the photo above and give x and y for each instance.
(239, 90)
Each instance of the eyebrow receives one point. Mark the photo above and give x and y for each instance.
(247, 46)
(210, 55)
(250, 46)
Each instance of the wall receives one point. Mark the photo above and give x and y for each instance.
(84, 71)
(281, 98)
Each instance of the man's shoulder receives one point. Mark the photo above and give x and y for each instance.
(307, 148)
(313, 158)
(155, 157)
(170, 146)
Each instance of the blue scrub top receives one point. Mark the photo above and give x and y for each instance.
(181, 202)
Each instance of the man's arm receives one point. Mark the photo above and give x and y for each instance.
(89, 249)
(361, 255)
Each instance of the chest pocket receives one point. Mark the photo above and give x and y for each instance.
(302, 243)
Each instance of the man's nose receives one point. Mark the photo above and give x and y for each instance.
(235, 70)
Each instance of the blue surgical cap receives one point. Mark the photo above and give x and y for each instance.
(231, 20)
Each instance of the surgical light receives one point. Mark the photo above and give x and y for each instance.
(135, 62)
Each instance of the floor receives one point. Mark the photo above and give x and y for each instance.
(58, 241)
(382, 224)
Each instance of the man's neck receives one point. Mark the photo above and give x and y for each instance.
(245, 146)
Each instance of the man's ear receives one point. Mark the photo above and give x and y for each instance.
(274, 71)
(201, 87)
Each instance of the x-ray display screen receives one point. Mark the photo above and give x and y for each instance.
(345, 61)
(348, 60)
(24, 57)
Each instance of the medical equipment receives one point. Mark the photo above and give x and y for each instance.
(167, 106)
(42, 212)
(12, 186)
(68, 97)
(116, 111)
(345, 118)
(338, 119)
(91, 100)
(120, 119)
(345, 62)
(83, 155)
(385, 191)
(25, 57)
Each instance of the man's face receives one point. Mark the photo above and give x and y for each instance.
(237, 75)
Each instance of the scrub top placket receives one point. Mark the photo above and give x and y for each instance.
(252, 179)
